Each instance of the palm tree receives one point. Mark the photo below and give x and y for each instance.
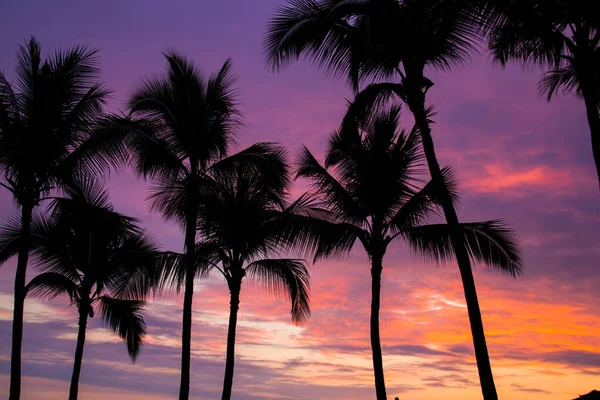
(180, 127)
(372, 197)
(241, 216)
(383, 39)
(97, 257)
(44, 118)
(563, 36)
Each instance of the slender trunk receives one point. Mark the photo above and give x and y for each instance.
(591, 107)
(464, 263)
(376, 268)
(234, 306)
(83, 314)
(19, 303)
(186, 335)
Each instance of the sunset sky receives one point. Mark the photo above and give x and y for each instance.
(516, 157)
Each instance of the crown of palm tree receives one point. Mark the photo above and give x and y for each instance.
(372, 195)
(243, 220)
(46, 116)
(194, 117)
(88, 252)
(562, 35)
(178, 134)
(371, 38)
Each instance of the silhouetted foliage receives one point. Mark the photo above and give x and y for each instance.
(382, 40)
(242, 212)
(562, 36)
(44, 118)
(180, 128)
(101, 260)
(372, 196)
(234, 209)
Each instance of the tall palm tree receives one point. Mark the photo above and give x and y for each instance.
(96, 257)
(44, 118)
(387, 39)
(371, 195)
(180, 126)
(241, 215)
(562, 36)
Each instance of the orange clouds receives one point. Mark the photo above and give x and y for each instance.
(499, 177)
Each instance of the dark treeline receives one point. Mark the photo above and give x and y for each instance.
(234, 209)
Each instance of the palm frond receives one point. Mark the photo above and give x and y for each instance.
(50, 251)
(9, 106)
(334, 195)
(106, 146)
(10, 238)
(116, 141)
(171, 198)
(88, 192)
(302, 26)
(268, 160)
(28, 65)
(172, 270)
(369, 101)
(88, 110)
(424, 204)
(359, 39)
(328, 33)
(153, 156)
(531, 32)
(77, 68)
(87, 206)
(310, 235)
(287, 277)
(153, 100)
(563, 78)
(132, 269)
(125, 318)
(307, 205)
(222, 105)
(489, 242)
(50, 285)
(448, 35)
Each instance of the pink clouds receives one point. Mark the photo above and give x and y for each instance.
(505, 178)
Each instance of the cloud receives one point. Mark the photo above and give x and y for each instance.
(516, 157)
(522, 388)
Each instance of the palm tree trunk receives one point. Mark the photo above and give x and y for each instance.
(83, 314)
(417, 106)
(186, 335)
(591, 107)
(234, 306)
(19, 303)
(376, 268)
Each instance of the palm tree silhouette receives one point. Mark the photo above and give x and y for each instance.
(180, 127)
(97, 257)
(44, 118)
(371, 196)
(242, 212)
(563, 36)
(382, 39)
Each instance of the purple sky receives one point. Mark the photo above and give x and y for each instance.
(516, 157)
